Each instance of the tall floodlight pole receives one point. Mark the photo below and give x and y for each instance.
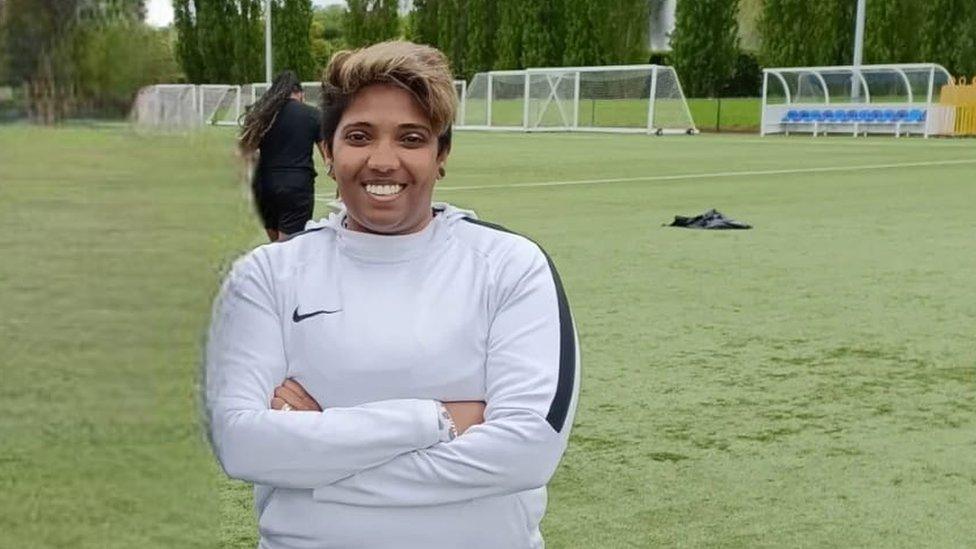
(267, 41)
(858, 51)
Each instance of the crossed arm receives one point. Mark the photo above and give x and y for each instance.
(464, 413)
(390, 452)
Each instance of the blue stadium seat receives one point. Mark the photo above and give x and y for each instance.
(805, 116)
(827, 116)
(901, 115)
(888, 116)
(840, 116)
(791, 116)
(852, 115)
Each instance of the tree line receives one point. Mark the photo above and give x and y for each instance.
(799, 33)
(222, 41)
(77, 56)
(792, 33)
(80, 57)
(481, 35)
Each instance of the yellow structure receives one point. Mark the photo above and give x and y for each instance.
(959, 101)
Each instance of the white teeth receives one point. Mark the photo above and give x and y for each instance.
(384, 190)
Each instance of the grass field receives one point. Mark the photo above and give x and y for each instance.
(809, 383)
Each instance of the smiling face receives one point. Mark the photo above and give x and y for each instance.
(386, 162)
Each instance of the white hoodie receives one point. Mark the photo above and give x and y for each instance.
(378, 329)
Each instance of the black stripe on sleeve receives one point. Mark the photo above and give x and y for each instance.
(300, 233)
(559, 408)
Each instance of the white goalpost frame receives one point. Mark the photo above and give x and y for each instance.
(209, 117)
(153, 109)
(554, 78)
(544, 96)
(462, 95)
(576, 100)
(650, 101)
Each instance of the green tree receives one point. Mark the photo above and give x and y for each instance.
(422, 27)
(82, 56)
(326, 34)
(371, 21)
(113, 59)
(40, 37)
(451, 23)
(586, 38)
(216, 30)
(249, 42)
(624, 26)
(508, 40)
(542, 33)
(802, 33)
(291, 21)
(222, 41)
(705, 45)
(891, 31)
(480, 28)
(947, 35)
(187, 44)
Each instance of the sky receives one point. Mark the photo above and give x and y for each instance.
(160, 12)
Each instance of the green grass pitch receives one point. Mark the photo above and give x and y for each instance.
(809, 383)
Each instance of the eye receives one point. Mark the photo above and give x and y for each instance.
(355, 137)
(414, 139)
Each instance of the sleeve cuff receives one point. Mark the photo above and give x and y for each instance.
(445, 425)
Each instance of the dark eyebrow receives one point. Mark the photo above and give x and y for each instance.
(408, 126)
(415, 127)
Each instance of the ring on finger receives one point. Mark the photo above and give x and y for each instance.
(286, 407)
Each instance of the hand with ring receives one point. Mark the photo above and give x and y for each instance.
(291, 396)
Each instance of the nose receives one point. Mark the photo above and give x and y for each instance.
(383, 158)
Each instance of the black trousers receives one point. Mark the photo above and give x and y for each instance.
(285, 198)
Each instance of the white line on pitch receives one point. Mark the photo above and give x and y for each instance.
(710, 175)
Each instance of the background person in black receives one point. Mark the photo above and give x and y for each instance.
(278, 134)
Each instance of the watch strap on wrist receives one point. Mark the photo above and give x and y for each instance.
(448, 429)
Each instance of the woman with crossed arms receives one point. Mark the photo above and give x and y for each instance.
(402, 375)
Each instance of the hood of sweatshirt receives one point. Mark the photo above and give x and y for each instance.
(447, 214)
(376, 248)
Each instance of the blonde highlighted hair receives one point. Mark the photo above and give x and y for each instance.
(421, 70)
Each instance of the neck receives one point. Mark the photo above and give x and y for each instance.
(353, 225)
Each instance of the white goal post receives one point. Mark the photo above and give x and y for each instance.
(188, 106)
(220, 104)
(167, 107)
(623, 98)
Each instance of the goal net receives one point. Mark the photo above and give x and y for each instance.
(167, 107)
(630, 98)
(221, 105)
(187, 106)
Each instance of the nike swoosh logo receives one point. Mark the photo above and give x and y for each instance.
(295, 317)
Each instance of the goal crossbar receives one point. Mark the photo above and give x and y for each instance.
(614, 98)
